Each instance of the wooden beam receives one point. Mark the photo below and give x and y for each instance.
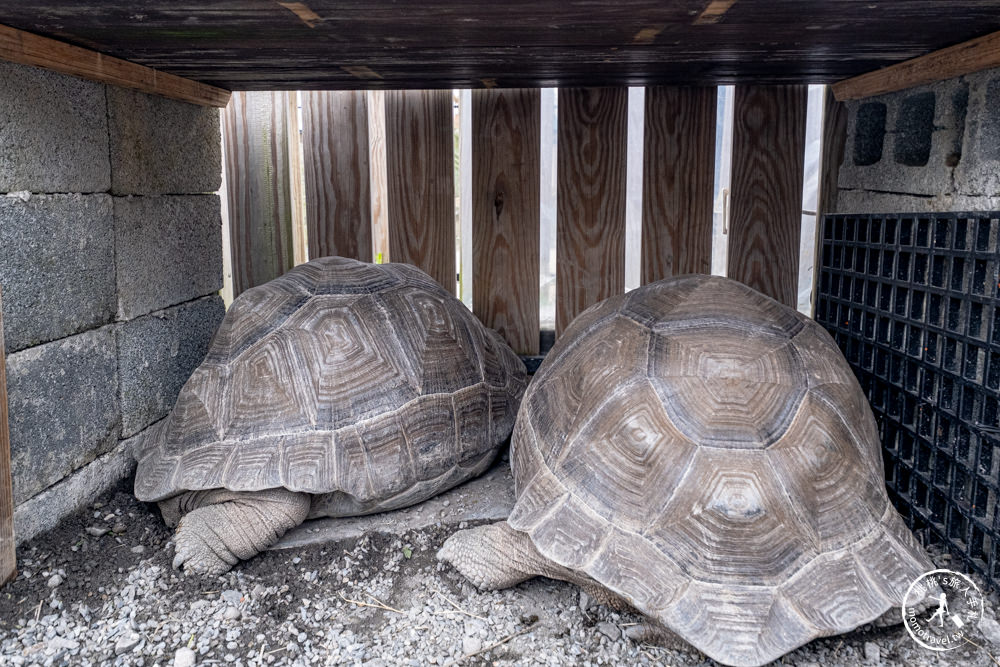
(505, 213)
(972, 56)
(678, 176)
(769, 134)
(338, 194)
(590, 218)
(831, 153)
(8, 562)
(420, 171)
(28, 49)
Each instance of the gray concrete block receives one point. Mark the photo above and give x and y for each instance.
(54, 132)
(57, 266)
(156, 355)
(168, 251)
(161, 146)
(63, 400)
(978, 174)
(68, 496)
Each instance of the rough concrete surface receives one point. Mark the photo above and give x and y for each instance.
(44, 511)
(56, 266)
(168, 251)
(978, 173)
(53, 132)
(63, 408)
(156, 355)
(161, 146)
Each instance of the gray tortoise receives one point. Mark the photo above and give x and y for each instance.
(340, 388)
(705, 455)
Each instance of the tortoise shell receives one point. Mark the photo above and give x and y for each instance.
(367, 385)
(707, 454)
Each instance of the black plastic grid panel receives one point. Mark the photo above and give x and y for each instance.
(912, 300)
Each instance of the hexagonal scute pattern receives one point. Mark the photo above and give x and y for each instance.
(369, 386)
(706, 454)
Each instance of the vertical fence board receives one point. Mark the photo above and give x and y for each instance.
(377, 178)
(8, 562)
(505, 213)
(769, 130)
(590, 236)
(296, 169)
(420, 174)
(831, 152)
(338, 193)
(678, 177)
(255, 131)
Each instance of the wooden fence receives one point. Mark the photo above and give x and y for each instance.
(351, 204)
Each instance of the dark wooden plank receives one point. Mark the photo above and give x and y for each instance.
(255, 133)
(338, 192)
(769, 130)
(419, 144)
(832, 152)
(590, 218)
(505, 213)
(8, 559)
(678, 177)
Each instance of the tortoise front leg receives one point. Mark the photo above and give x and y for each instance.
(218, 528)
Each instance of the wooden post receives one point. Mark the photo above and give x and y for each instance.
(505, 213)
(261, 210)
(678, 177)
(8, 562)
(769, 133)
(420, 177)
(590, 224)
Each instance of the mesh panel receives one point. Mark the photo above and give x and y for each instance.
(912, 302)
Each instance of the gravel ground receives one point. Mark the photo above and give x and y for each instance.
(99, 590)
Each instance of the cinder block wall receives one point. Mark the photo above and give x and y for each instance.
(110, 265)
(932, 148)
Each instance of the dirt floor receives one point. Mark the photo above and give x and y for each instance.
(99, 590)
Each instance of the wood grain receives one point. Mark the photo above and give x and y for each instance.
(377, 175)
(420, 174)
(769, 129)
(505, 213)
(832, 152)
(296, 176)
(8, 557)
(678, 177)
(590, 219)
(965, 58)
(338, 192)
(28, 49)
(255, 132)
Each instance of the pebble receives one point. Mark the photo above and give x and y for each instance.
(118, 528)
(231, 614)
(185, 657)
(128, 642)
(97, 531)
(872, 652)
(584, 601)
(471, 645)
(609, 630)
(991, 630)
(231, 596)
(54, 581)
(138, 549)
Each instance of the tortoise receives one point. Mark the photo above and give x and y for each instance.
(338, 389)
(704, 454)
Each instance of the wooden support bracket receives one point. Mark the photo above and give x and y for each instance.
(29, 49)
(8, 563)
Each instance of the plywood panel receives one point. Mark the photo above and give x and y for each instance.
(8, 562)
(338, 192)
(590, 220)
(678, 177)
(505, 213)
(420, 174)
(260, 193)
(769, 128)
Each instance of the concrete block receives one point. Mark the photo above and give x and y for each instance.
(161, 146)
(978, 174)
(168, 251)
(63, 400)
(156, 355)
(57, 266)
(68, 496)
(54, 132)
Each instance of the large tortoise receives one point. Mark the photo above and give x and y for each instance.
(340, 388)
(704, 454)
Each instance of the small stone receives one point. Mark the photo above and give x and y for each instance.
(97, 531)
(138, 549)
(231, 614)
(609, 630)
(446, 503)
(471, 645)
(231, 596)
(185, 657)
(118, 528)
(54, 581)
(991, 630)
(872, 652)
(128, 642)
(584, 601)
